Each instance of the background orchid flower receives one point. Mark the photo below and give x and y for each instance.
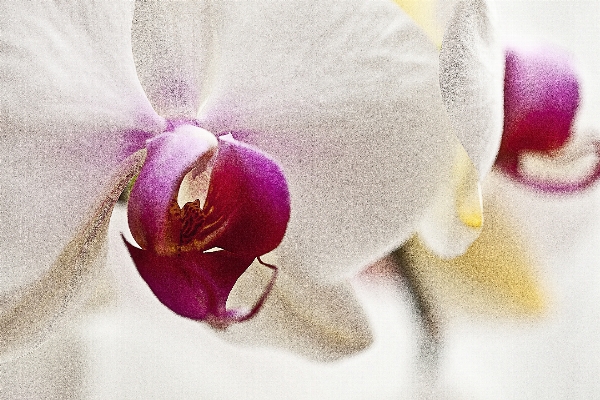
(72, 115)
(542, 97)
(542, 148)
(532, 276)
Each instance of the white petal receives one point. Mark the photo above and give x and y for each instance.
(472, 81)
(70, 105)
(454, 219)
(29, 314)
(171, 54)
(321, 322)
(346, 96)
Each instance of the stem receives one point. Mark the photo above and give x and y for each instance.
(427, 314)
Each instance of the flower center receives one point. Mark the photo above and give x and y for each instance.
(192, 219)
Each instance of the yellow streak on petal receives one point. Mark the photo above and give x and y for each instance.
(495, 276)
(423, 12)
(469, 204)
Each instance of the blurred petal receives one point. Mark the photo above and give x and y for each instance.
(72, 112)
(324, 322)
(471, 79)
(345, 96)
(455, 218)
(568, 171)
(497, 275)
(171, 45)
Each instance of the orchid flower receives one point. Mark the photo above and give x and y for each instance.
(542, 96)
(550, 202)
(548, 160)
(337, 104)
(342, 189)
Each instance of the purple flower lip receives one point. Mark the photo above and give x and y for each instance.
(192, 256)
(541, 98)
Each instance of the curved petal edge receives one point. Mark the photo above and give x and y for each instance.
(27, 318)
(471, 81)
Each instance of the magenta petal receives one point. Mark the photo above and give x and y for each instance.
(541, 96)
(193, 284)
(555, 187)
(170, 157)
(248, 200)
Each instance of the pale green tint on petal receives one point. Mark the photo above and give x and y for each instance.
(472, 81)
(171, 45)
(570, 25)
(345, 95)
(69, 97)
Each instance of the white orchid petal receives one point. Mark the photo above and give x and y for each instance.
(454, 219)
(29, 314)
(171, 54)
(70, 105)
(472, 81)
(346, 96)
(320, 322)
